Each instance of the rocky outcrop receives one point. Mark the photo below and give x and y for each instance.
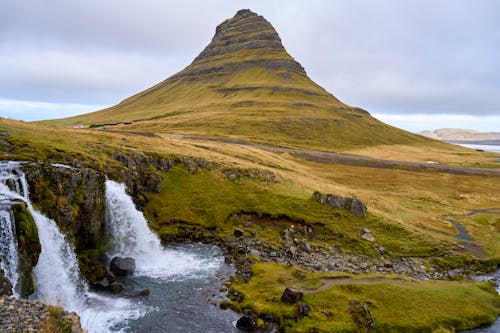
(142, 173)
(354, 205)
(74, 198)
(29, 248)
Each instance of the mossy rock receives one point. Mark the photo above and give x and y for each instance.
(29, 248)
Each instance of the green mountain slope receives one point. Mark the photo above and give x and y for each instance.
(245, 85)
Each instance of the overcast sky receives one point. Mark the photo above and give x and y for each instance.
(415, 64)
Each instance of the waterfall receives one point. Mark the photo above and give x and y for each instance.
(131, 237)
(8, 247)
(10, 193)
(57, 275)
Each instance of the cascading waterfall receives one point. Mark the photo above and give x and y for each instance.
(57, 276)
(131, 237)
(8, 247)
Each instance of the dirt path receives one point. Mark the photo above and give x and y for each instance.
(363, 161)
(333, 281)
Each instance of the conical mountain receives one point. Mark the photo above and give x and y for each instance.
(245, 85)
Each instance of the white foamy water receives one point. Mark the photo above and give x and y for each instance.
(131, 237)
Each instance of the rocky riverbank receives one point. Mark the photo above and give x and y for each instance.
(21, 315)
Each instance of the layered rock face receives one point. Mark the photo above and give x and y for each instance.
(236, 39)
(74, 198)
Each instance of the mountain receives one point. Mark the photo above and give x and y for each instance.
(244, 85)
(459, 134)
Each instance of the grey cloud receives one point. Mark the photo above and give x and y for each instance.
(390, 56)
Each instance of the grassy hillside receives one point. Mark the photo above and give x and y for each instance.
(245, 86)
(406, 215)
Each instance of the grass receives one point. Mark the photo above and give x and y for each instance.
(208, 200)
(434, 305)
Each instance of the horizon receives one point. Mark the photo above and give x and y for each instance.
(53, 73)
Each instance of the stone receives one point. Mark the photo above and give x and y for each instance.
(355, 205)
(129, 292)
(122, 266)
(5, 286)
(302, 310)
(361, 315)
(238, 232)
(246, 324)
(358, 208)
(291, 296)
(116, 287)
(367, 236)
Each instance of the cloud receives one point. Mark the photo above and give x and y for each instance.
(391, 57)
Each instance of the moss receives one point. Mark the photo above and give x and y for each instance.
(54, 321)
(29, 248)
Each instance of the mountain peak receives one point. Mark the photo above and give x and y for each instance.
(244, 34)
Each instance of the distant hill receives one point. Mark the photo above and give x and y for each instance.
(244, 85)
(462, 135)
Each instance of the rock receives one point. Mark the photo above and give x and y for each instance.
(5, 286)
(361, 315)
(122, 266)
(128, 292)
(246, 324)
(302, 310)
(367, 235)
(291, 296)
(238, 232)
(358, 208)
(337, 202)
(116, 287)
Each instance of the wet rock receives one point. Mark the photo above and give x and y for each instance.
(116, 287)
(246, 324)
(5, 286)
(291, 296)
(361, 315)
(238, 232)
(122, 266)
(129, 292)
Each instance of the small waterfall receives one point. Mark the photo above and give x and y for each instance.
(10, 193)
(8, 247)
(131, 237)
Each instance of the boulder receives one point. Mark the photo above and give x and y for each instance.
(291, 296)
(122, 266)
(246, 324)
